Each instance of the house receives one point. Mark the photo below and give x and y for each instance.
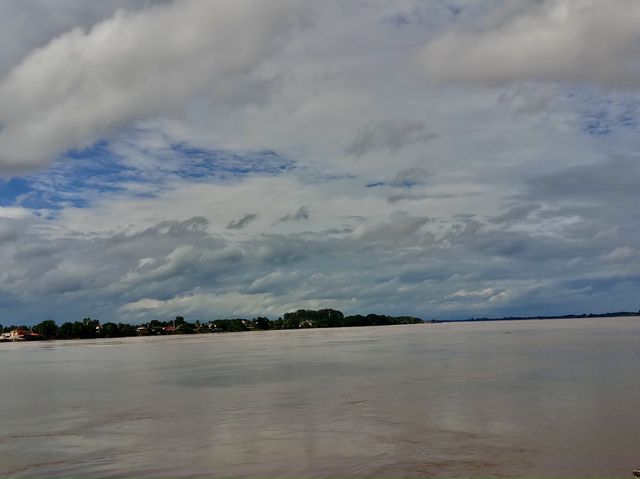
(142, 330)
(21, 334)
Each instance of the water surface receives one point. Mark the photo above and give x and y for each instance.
(528, 399)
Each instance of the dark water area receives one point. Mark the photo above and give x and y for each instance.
(507, 399)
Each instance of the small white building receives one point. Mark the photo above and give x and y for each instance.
(18, 335)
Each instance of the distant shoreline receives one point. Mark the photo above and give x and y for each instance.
(326, 318)
(619, 314)
(90, 328)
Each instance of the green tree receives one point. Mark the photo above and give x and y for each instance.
(66, 331)
(85, 329)
(125, 329)
(237, 325)
(290, 321)
(261, 323)
(185, 328)
(324, 318)
(109, 330)
(47, 329)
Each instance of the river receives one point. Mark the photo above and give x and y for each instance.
(554, 398)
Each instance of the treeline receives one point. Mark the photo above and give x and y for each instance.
(90, 328)
(86, 329)
(330, 318)
(615, 314)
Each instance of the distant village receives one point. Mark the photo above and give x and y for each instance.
(91, 328)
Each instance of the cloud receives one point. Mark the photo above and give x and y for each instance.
(10, 230)
(515, 214)
(400, 228)
(575, 41)
(530, 98)
(160, 261)
(239, 304)
(196, 224)
(410, 177)
(301, 213)
(14, 212)
(18, 37)
(184, 262)
(596, 201)
(87, 85)
(405, 197)
(533, 209)
(276, 282)
(389, 135)
(487, 294)
(615, 177)
(242, 222)
(395, 265)
(623, 253)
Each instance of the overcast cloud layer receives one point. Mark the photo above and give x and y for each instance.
(443, 158)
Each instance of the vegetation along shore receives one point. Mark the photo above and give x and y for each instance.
(90, 328)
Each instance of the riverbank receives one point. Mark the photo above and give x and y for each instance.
(619, 314)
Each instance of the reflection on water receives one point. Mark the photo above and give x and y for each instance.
(536, 398)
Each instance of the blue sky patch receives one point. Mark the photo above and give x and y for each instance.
(612, 115)
(226, 165)
(81, 176)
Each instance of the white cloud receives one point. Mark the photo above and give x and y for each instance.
(19, 18)
(399, 229)
(513, 209)
(622, 253)
(410, 177)
(12, 212)
(226, 304)
(85, 85)
(390, 135)
(577, 41)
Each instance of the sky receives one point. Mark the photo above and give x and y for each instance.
(239, 158)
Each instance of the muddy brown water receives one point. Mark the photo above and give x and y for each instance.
(555, 398)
